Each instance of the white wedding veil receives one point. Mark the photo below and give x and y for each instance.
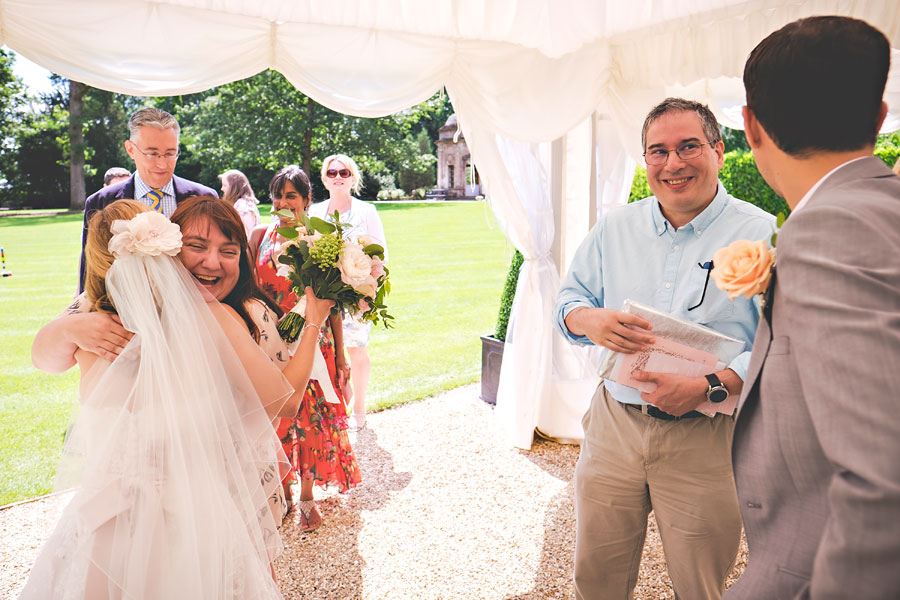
(173, 455)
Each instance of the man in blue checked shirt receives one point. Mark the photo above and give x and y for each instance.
(153, 145)
(653, 451)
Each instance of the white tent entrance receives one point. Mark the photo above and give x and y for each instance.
(550, 95)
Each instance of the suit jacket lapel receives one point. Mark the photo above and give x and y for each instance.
(760, 344)
(127, 190)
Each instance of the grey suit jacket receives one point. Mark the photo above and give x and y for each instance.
(816, 446)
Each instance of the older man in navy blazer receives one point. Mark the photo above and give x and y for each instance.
(816, 447)
(153, 145)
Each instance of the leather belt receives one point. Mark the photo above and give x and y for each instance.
(649, 409)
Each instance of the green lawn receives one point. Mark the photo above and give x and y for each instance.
(448, 262)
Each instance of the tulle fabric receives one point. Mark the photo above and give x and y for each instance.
(173, 454)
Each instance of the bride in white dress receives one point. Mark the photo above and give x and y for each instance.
(173, 455)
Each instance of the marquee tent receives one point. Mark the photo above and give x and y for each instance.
(550, 95)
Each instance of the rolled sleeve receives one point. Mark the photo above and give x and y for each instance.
(740, 364)
(583, 285)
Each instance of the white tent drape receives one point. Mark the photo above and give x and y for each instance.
(518, 72)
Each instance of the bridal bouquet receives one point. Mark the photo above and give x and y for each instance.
(349, 272)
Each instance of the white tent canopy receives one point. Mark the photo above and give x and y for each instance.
(550, 95)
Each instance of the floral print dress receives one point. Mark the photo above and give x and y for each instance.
(316, 440)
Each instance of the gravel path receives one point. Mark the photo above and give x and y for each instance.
(445, 511)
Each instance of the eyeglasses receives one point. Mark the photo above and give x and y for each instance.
(157, 155)
(689, 151)
(332, 173)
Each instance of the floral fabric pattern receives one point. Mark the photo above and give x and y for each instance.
(316, 440)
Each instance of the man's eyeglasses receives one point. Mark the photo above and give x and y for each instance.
(157, 155)
(332, 173)
(689, 151)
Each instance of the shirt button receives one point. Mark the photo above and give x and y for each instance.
(674, 247)
(668, 285)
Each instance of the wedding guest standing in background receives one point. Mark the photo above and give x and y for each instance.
(342, 179)
(817, 438)
(236, 191)
(653, 451)
(153, 145)
(115, 175)
(316, 439)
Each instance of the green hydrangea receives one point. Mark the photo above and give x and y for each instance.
(326, 250)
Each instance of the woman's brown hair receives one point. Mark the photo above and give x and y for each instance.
(226, 218)
(238, 187)
(97, 257)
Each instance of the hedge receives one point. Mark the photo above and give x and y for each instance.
(509, 293)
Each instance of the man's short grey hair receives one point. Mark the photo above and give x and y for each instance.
(152, 117)
(707, 118)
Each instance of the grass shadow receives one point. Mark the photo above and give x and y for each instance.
(32, 220)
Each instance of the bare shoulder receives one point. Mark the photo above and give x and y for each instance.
(231, 313)
(256, 239)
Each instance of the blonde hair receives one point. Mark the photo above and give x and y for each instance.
(351, 164)
(97, 257)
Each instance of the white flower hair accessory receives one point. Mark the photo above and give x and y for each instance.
(149, 233)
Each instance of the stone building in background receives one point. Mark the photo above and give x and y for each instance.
(457, 177)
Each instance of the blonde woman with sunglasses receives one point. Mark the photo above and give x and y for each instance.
(342, 179)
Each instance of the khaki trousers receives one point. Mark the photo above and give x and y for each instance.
(632, 463)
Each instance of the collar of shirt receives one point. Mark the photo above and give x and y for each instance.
(699, 223)
(819, 183)
(141, 189)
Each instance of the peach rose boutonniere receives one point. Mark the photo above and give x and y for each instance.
(743, 268)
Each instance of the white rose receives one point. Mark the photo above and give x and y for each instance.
(355, 267)
(149, 233)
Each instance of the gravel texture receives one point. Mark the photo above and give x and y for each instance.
(445, 510)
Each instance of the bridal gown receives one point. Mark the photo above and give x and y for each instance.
(172, 456)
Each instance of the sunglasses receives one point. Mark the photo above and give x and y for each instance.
(332, 173)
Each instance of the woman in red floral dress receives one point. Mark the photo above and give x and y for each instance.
(316, 440)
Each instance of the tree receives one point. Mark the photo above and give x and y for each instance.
(11, 99)
(734, 139)
(76, 145)
(262, 123)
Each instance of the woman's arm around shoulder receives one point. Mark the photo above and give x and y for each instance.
(101, 333)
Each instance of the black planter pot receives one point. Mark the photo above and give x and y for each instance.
(491, 359)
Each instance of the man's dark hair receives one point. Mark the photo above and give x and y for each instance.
(707, 119)
(115, 172)
(817, 84)
(296, 176)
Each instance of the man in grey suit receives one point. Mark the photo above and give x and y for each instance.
(816, 448)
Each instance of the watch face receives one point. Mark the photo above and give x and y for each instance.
(717, 396)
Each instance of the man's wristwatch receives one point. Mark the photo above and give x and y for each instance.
(717, 391)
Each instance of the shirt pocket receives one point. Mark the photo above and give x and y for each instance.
(715, 307)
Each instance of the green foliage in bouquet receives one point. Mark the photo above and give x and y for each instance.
(317, 256)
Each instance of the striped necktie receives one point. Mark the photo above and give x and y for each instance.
(156, 197)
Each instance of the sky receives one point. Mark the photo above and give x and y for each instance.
(36, 78)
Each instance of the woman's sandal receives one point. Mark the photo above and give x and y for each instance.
(310, 519)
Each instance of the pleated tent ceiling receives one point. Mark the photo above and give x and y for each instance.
(550, 95)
